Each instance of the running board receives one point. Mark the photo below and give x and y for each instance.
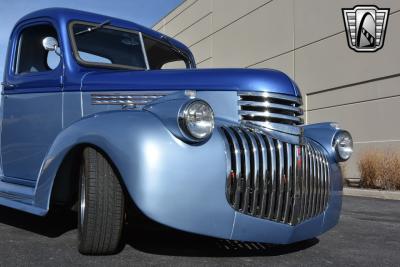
(19, 197)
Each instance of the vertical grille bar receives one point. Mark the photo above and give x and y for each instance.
(288, 182)
(318, 182)
(255, 171)
(310, 182)
(313, 183)
(306, 182)
(322, 181)
(327, 183)
(322, 206)
(281, 185)
(246, 164)
(273, 172)
(322, 197)
(273, 180)
(298, 178)
(237, 167)
(302, 185)
(264, 174)
(230, 179)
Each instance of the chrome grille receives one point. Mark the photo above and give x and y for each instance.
(273, 180)
(136, 100)
(273, 111)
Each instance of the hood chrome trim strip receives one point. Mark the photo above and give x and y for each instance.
(131, 99)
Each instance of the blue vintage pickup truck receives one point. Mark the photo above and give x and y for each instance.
(98, 112)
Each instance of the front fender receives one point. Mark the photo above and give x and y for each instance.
(107, 131)
(159, 171)
(323, 133)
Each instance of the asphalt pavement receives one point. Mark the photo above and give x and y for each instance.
(368, 235)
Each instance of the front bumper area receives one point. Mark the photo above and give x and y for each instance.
(184, 187)
(247, 228)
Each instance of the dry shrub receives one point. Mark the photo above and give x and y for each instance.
(380, 169)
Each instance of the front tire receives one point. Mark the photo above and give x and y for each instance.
(102, 206)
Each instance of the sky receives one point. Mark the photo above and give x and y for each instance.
(145, 12)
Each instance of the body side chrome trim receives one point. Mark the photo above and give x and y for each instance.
(129, 99)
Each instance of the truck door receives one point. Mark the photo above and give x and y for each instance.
(32, 103)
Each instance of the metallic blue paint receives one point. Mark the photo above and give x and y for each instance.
(169, 187)
(178, 184)
(195, 79)
(30, 124)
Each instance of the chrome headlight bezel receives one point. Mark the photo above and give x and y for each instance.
(343, 145)
(184, 121)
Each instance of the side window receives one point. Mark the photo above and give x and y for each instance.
(93, 58)
(31, 56)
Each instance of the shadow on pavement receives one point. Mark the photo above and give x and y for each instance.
(55, 224)
(150, 237)
(161, 240)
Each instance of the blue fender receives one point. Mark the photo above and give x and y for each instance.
(174, 183)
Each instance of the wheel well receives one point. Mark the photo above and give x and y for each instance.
(65, 187)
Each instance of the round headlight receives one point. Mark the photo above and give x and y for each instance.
(343, 144)
(196, 120)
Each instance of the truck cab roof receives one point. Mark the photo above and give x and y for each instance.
(63, 16)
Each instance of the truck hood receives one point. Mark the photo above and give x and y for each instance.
(264, 80)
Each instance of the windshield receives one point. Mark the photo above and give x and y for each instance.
(101, 45)
(107, 47)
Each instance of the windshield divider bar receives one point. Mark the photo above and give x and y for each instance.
(144, 51)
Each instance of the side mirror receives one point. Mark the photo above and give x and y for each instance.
(50, 44)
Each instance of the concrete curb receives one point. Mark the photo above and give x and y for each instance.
(392, 195)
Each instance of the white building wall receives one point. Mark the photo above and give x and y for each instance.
(306, 40)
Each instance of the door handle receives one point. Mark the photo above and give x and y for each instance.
(7, 85)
